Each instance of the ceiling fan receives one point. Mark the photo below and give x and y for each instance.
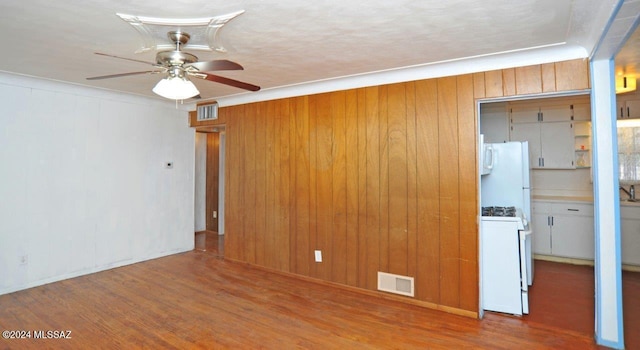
(179, 65)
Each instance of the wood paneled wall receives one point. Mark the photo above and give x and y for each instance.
(380, 178)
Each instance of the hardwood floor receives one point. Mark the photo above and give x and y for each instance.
(562, 297)
(631, 301)
(209, 241)
(198, 300)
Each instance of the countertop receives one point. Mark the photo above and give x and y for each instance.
(578, 199)
(548, 198)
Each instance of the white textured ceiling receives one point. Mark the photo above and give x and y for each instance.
(288, 42)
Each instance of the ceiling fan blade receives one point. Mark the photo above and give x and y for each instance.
(128, 59)
(123, 75)
(216, 65)
(226, 81)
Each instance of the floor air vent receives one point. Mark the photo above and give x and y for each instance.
(397, 284)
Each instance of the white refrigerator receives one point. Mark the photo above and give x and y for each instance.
(508, 182)
(507, 263)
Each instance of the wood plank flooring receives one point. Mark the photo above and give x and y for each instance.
(562, 296)
(199, 300)
(209, 241)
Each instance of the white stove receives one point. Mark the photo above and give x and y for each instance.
(507, 262)
(510, 214)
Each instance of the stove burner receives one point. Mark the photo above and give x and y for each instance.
(499, 211)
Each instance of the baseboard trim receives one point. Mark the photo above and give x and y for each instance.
(367, 292)
(559, 259)
(92, 270)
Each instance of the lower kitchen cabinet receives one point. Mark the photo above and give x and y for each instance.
(563, 229)
(541, 240)
(566, 229)
(630, 231)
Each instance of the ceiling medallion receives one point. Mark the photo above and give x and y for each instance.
(204, 31)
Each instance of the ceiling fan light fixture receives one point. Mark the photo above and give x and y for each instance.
(176, 88)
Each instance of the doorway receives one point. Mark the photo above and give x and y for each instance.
(560, 215)
(209, 189)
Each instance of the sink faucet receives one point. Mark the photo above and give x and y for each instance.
(631, 193)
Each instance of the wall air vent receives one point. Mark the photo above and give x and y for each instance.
(207, 112)
(397, 284)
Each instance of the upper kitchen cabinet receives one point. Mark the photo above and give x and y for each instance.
(550, 144)
(548, 126)
(541, 113)
(628, 105)
(582, 110)
(628, 108)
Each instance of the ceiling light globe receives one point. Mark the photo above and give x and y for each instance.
(176, 88)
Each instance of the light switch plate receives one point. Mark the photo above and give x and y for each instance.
(318, 255)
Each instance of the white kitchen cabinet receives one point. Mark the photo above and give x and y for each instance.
(541, 113)
(556, 113)
(541, 239)
(630, 231)
(582, 111)
(551, 145)
(628, 109)
(573, 232)
(524, 114)
(563, 229)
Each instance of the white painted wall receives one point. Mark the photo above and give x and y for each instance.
(494, 122)
(201, 182)
(83, 186)
(576, 182)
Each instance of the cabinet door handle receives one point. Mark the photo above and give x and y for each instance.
(628, 114)
(621, 112)
(573, 209)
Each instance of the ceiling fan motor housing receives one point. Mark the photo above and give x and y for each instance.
(175, 58)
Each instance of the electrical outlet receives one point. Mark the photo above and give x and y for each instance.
(318, 255)
(215, 214)
(24, 259)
